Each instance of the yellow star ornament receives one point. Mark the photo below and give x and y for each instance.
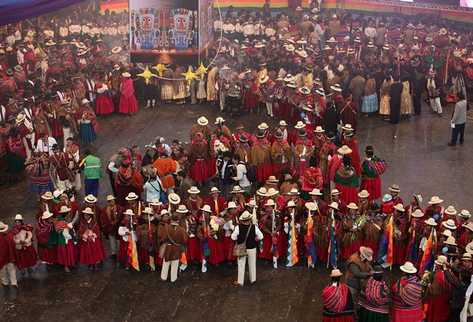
(201, 70)
(147, 75)
(189, 75)
(160, 68)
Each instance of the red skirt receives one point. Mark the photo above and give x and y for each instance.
(103, 105)
(407, 315)
(199, 171)
(282, 245)
(322, 253)
(399, 253)
(250, 100)
(123, 252)
(301, 166)
(228, 245)
(26, 258)
(344, 318)
(267, 251)
(278, 168)
(47, 255)
(348, 194)
(128, 105)
(216, 251)
(194, 250)
(91, 252)
(211, 167)
(56, 128)
(263, 172)
(66, 254)
(373, 186)
(350, 249)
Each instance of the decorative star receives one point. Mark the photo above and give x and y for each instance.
(201, 70)
(189, 75)
(147, 75)
(160, 68)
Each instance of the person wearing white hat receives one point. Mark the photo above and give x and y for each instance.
(7, 258)
(91, 251)
(128, 103)
(268, 224)
(338, 302)
(246, 236)
(66, 249)
(440, 291)
(25, 253)
(260, 154)
(281, 153)
(407, 295)
(174, 237)
(435, 209)
(110, 220)
(358, 267)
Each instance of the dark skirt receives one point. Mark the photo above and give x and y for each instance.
(87, 133)
(369, 316)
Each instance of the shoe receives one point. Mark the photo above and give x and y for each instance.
(451, 144)
(236, 284)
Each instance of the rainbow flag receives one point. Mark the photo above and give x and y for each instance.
(390, 247)
(133, 252)
(428, 256)
(292, 255)
(309, 242)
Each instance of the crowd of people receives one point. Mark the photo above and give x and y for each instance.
(301, 193)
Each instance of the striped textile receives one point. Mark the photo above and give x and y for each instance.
(376, 296)
(335, 297)
(407, 293)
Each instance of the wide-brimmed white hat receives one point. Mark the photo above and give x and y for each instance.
(319, 129)
(335, 192)
(449, 224)
(352, 206)
(344, 150)
(271, 192)
(417, 213)
(64, 209)
(468, 226)
(193, 190)
(469, 248)
(311, 206)
(366, 253)
(336, 88)
(206, 208)
(93, 199)
(47, 215)
(88, 211)
(399, 207)
(333, 205)
(110, 197)
(231, 205)
(335, 273)
(451, 241)
(18, 217)
(202, 121)
(363, 194)
(214, 190)
(435, 200)
(245, 216)
(3, 227)
(446, 233)
(291, 204)
(394, 188)
(148, 210)
(262, 192)
(48, 195)
(348, 127)
(263, 126)
(451, 211)
(315, 192)
(237, 189)
(131, 196)
(270, 203)
(464, 214)
(408, 268)
(116, 49)
(441, 260)
(174, 198)
(182, 209)
(299, 125)
(219, 120)
(430, 222)
(129, 212)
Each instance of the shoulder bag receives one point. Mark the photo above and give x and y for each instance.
(239, 250)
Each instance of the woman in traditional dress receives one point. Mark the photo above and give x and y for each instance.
(25, 253)
(337, 300)
(103, 102)
(384, 106)
(375, 299)
(46, 236)
(407, 296)
(90, 243)
(370, 98)
(38, 171)
(406, 98)
(66, 250)
(347, 182)
(86, 128)
(371, 180)
(128, 102)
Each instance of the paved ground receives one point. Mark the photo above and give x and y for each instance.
(419, 161)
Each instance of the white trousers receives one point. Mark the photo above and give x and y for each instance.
(165, 270)
(251, 266)
(436, 105)
(269, 108)
(113, 244)
(8, 274)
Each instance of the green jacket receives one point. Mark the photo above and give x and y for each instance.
(92, 167)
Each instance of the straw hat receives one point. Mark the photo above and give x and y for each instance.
(441, 260)
(333, 205)
(315, 192)
(271, 192)
(93, 199)
(148, 210)
(430, 222)
(126, 74)
(319, 129)
(335, 192)
(366, 253)
(304, 90)
(252, 203)
(270, 203)
(299, 125)
(394, 188)
(47, 195)
(231, 205)
(88, 211)
(110, 197)
(155, 202)
(335, 273)
(311, 206)
(352, 206)
(347, 127)
(18, 217)
(344, 150)
(435, 200)
(202, 121)
(282, 123)
(447, 233)
(466, 257)
(363, 194)
(469, 248)
(272, 179)
(450, 224)
(65, 209)
(408, 268)
(47, 215)
(451, 211)
(206, 208)
(131, 196)
(219, 120)
(182, 209)
(116, 49)
(3, 227)
(174, 198)
(399, 207)
(464, 214)
(468, 226)
(262, 192)
(291, 204)
(263, 126)
(263, 79)
(193, 190)
(129, 212)
(417, 214)
(214, 190)
(336, 88)
(451, 241)
(294, 192)
(321, 92)
(20, 118)
(245, 216)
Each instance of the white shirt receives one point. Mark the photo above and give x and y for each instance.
(224, 166)
(236, 231)
(241, 176)
(43, 147)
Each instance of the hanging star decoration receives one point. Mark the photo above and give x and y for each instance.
(189, 75)
(147, 75)
(160, 68)
(201, 70)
